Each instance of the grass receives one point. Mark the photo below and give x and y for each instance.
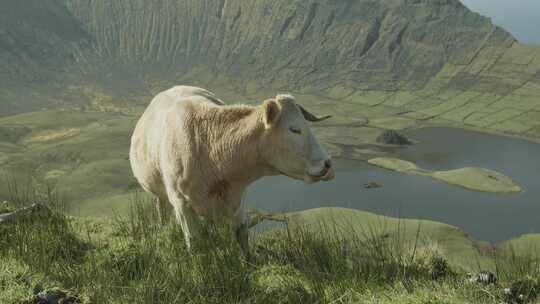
(134, 259)
(84, 151)
(88, 164)
(473, 178)
(360, 258)
(423, 236)
(526, 243)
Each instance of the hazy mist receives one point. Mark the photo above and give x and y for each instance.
(519, 17)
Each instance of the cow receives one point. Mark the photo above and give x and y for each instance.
(197, 155)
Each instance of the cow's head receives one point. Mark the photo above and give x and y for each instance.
(288, 143)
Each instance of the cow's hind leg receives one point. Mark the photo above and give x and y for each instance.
(187, 218)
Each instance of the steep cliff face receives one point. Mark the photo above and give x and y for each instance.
(420, 59)
(375, 44)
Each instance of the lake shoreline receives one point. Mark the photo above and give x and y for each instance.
(427, 125)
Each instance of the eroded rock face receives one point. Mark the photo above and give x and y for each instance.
(375, 44)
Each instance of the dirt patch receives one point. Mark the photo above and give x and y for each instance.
(52, 135)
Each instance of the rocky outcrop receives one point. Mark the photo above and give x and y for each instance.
(391, 137)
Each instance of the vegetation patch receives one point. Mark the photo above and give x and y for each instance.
(136, 259)
(13, 133)
(478, 179)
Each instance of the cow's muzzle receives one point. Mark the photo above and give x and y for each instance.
(326, 174)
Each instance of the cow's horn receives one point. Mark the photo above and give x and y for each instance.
(310, 117)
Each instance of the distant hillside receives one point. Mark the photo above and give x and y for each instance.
(373, 44)
(420, 59)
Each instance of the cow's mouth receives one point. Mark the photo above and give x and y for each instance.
(326, 174)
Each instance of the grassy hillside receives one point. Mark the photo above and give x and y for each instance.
(76, 75)
(425, 235)
(136, 260)
(395, 63)
(523, 245)
(83, 154)
(88, 69)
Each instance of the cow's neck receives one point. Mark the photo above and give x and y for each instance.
(234, 150)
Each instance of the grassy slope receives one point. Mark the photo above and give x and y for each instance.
(136, 260)
(87, 164)
(91, 168)
(450, 241)
(527, 243)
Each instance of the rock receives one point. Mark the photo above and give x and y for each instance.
(50, 297)
(4, 207)
(483, 277)
(35, 210)
(53, 296)
(391, 137)
(372, 185)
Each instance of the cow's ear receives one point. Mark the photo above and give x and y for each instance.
(272, 113)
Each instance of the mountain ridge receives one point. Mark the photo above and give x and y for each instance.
(426, 60)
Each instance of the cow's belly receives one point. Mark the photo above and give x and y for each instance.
(215, 209)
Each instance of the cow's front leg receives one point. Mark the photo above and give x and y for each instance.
(241, 231)
(187, 218)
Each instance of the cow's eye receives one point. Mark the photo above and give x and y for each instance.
(295, 130)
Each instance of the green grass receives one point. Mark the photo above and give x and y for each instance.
(89, 164)
(525, 247)
(473, 178)
(133, 259)
(327, 255)
(423, 235)
(85, 153)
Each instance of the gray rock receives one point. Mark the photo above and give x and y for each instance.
(391, 137)
(483, 277)
(50, 297)
(372, 185)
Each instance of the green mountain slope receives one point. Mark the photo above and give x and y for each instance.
(300, 44)
(419, 60)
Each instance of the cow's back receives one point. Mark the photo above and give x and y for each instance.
(161, 124)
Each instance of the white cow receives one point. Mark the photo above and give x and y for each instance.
(198, 155)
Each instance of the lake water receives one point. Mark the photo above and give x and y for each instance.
(484, 216)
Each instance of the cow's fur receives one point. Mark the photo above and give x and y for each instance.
(197, 155)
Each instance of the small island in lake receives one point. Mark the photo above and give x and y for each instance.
(473, 178)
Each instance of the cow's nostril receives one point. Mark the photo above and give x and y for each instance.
(327, 163)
